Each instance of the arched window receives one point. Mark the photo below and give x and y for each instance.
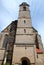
(24, 8)
(5, 41)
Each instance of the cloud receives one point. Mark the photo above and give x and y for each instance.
(9, 11)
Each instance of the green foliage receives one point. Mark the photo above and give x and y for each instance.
(7, 64)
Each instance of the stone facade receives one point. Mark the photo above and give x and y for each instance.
(27, 40)
(21, 51)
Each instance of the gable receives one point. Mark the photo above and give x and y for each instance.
(7, 28)
(34, 30)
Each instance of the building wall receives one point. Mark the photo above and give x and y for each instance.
(23, 14)
(40, 42)
(39, 59)
(1, 41)
(21, 51)
(25, 39)
(2, 49)
(22, 24)
(43, 57)
(27, 31)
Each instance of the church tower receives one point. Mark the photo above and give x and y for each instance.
(24, 25)
(24, 17)
(24, 46)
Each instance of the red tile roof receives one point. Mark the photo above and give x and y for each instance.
(39, 51)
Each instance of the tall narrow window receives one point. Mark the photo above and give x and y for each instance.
(24, 8)
(24, 30)
(5, 41)
(24, 21)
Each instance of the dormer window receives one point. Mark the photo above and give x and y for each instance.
(24, 8)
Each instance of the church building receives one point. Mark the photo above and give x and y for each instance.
(20, 43)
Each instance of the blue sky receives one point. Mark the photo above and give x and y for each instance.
(9, 11)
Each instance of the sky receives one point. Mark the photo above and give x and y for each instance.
(9, 10)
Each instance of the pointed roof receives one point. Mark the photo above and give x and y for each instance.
(24, 4)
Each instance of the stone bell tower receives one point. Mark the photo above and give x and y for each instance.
(24, 16)
(24, 46)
